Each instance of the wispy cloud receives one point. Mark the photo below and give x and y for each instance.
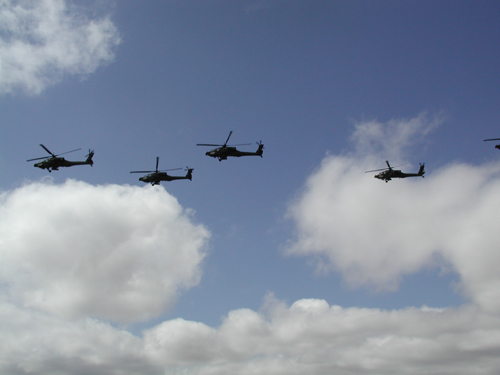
(395, 138)
(43, 40)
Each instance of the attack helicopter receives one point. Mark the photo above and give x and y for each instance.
(493, 139)
(390, 173)
(154, 177)
(223, 151)
(55, 162)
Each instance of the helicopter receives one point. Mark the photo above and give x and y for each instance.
(224, 150)
(55, 162)
(154, 177)
(390, 173)
(493, 139)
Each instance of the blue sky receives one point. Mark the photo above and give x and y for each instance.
(298, 262)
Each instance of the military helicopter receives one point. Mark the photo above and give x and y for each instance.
(493, 139)
(224, 150)
(390, 173)
(55, 162)
(154, 177)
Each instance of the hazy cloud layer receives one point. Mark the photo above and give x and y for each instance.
(375, 233)
(308, 337)
(114, 252)
(42, 40)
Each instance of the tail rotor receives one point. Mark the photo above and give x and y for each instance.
(189, 174)
(89, 157)
(260, 150)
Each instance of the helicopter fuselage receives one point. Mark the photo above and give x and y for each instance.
(156, 177)
(389, 174)
(54, 163)
(222, 153)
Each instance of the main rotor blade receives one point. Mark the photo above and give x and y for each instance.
(231, 132)
(387, 169)
(67, 152)
(240, 144)
(400, 165)
(43, 157)
(161, 170)
(387, 162)
(492, 139)
(46, 149)
(157, 160)
(207, 144)
(171, 169)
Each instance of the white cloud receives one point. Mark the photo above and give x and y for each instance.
(42, 40)
(37, 343)
(375, 233)
(308, 337)
(114, 252)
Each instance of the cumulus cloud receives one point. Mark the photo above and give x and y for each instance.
(34, 342)
(375, 233)
(312, 337)
(118, 253)
(308, 337)
(42, 40)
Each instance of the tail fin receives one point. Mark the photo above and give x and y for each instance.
(421, 170)
(260, 150)
(89, 158)
(189, 174)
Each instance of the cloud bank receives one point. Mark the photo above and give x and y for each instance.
(308, 337)
(118, 253)
(43, 40)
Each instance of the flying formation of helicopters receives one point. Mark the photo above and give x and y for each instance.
(222, 152)
(154, 177)
(390, 173)
(54, 162)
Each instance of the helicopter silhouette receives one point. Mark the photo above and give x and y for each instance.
(390, 173)
(55, 162)
(493, 139)
(154, 177)
(224, 150)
